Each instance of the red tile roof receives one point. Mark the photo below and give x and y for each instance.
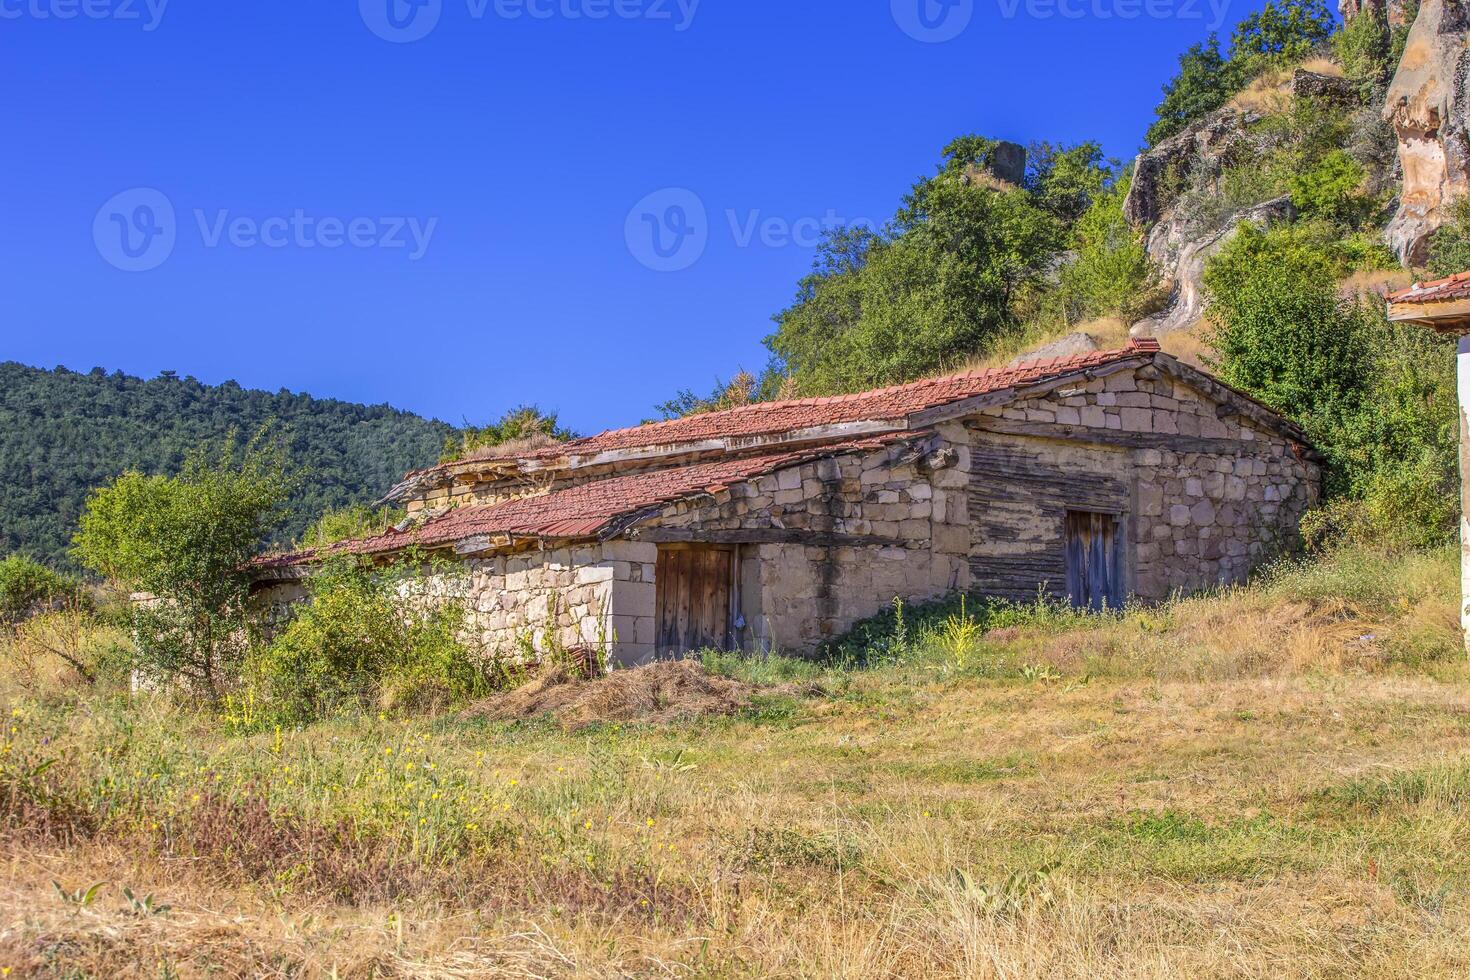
(773, 418)
(1436, 291)
(583, 511)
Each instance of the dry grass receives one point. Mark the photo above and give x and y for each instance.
(1273, 781)
(1270, 91)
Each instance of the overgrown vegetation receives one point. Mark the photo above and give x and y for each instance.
(187, 542)
(368, 638)
(523, 428)
(1378, 399)
(1277, 35)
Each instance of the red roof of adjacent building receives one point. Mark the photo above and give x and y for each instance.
(1436, 291)
(585, 510)
(773, 418)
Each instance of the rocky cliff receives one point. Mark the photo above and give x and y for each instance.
(1426, 105)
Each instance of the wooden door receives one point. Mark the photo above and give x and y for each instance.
(1094, 560)
(693, 586)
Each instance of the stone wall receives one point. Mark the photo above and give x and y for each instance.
(795, 596)
(1204, 495)
(598, 595)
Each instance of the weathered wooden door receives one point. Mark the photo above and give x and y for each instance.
(1094, 560)
(694, 585)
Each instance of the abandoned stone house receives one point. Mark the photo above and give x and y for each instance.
(780, 525)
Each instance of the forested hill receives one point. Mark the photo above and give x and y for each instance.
(64, 433)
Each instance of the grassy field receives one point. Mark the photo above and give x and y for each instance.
(1269, 782)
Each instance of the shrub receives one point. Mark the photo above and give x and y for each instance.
(366, 636)
(349, 524)
(187, 541)
(1449, 250)
(27, 586)
(1112, 274)
(1332, 190)
(1378, 399)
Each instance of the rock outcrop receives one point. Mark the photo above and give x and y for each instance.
(1176, 242)
(1426, 105)
(1326, 88)
(1186, 273)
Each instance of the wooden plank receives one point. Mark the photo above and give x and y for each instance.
(820, 539)
(1123, 440)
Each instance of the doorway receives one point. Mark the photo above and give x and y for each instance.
(694, 589)
(1094, 560)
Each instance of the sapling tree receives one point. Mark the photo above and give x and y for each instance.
(186, 541)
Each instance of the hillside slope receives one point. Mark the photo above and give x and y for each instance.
(64, 433)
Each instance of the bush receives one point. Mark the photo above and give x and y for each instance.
(187, 541)
(1378, 399)
(1449, 250)
(27, 587)
(1112, 274)
(350, 524)
(1332, 190)
(367, 636)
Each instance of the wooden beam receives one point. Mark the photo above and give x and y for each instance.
(815, 539)
(1123, 440)
(1448, 317)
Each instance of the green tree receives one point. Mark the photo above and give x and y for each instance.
(1065, 180)
(187, 541)
(1202, 85)
(525, 423)
(1112, 274)
(1378, 399)
(933, 288)
(1274, 36)
(1278, 34)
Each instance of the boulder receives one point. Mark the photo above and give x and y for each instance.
(1328, 88)
(1426, 105)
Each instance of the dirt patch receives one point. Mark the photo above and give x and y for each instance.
(659, 693)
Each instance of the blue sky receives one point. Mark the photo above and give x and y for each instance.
(463, 222)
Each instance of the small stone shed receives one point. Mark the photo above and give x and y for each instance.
(780, 525)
